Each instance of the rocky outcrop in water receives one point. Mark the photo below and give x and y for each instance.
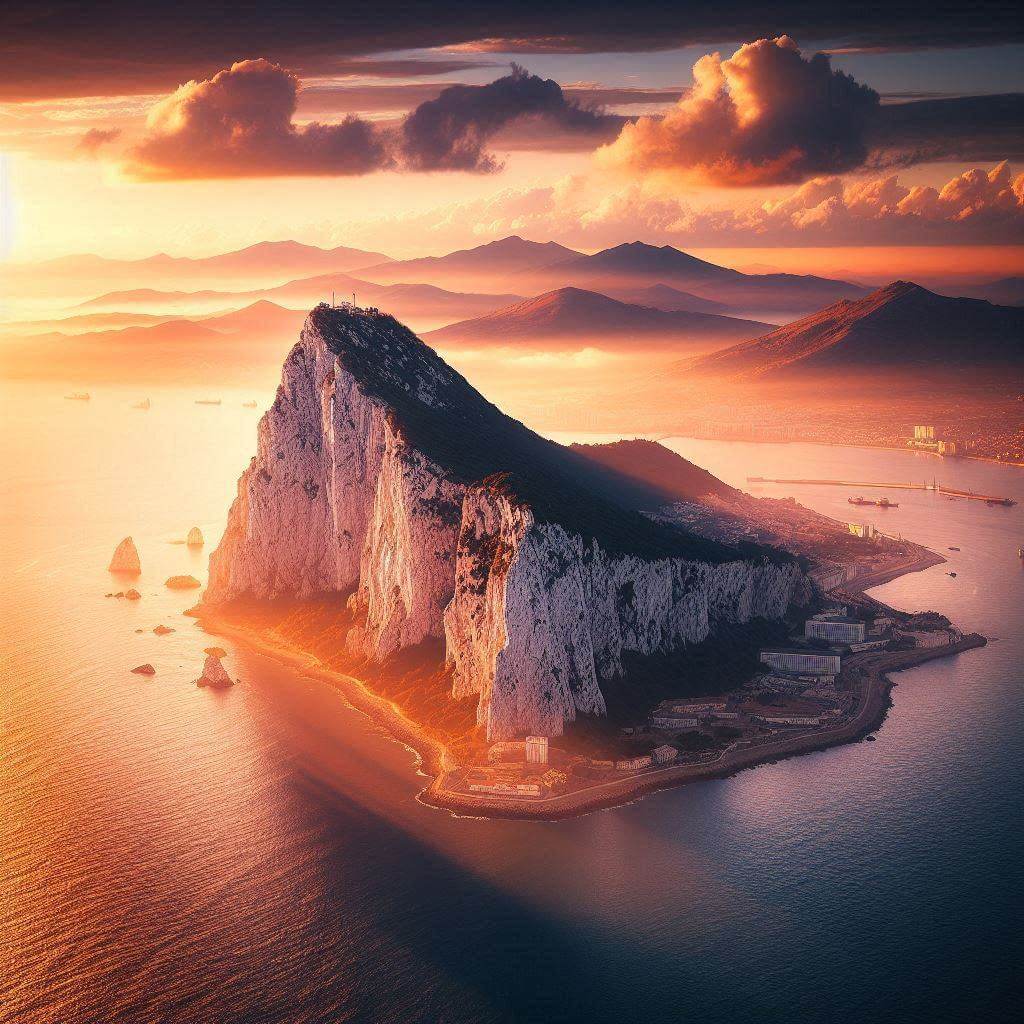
(126, 559)
(214, 674)
(195, 538)
(381, 474)
(182, 583)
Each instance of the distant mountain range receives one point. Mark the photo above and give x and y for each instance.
(485, 263)
(263, 263)
(899, 326)
(244, 344)
(530, 267)
(578, 316)
(420, 303)
(636, 264)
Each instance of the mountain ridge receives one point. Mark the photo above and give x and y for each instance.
(899, 325)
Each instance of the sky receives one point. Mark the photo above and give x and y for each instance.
(415, 128)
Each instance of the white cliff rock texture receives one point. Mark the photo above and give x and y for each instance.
(382, 474)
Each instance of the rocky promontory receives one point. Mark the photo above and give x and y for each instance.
(382, 477)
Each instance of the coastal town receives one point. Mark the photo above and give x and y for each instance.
(826, 684)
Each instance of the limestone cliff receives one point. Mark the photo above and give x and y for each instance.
(382, 474)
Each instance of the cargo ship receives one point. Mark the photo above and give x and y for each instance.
(881, 503)
(207, 401)
(78, 396)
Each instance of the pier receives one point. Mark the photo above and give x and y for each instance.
(935, 487)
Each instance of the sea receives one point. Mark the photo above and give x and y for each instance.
(174, 854)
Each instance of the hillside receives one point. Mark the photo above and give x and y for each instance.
(576, 315)
(899, 326)
(666, 476)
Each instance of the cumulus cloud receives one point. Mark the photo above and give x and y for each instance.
(94, 138)
(239, 124)
(974, 207)
(451, 132)
(766, 115)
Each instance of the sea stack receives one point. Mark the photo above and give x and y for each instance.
(126, 558)
(195, 538)
(214, 674)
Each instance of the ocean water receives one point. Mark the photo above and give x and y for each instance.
(175, 854)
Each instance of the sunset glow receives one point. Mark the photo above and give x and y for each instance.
(512, 513)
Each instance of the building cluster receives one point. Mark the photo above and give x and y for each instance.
(925, 439)
(802, 687)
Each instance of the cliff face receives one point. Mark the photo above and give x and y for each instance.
(382, 474)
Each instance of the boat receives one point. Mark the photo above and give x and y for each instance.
(78, 396)
(1020, 552)
(953, 574)
(1007, 502)
(248, 405)
(859, 501)
(953, 547)
(144, 404)
(207, 401)
(886, 503)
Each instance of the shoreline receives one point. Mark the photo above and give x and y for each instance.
(436, 760)
(841, 444)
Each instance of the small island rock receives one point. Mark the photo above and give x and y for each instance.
(217, 652)
(144, 670)
(162, 630)
(133, 595)
(183, 583)
(195, 538)
(126, 558)
(214, 674)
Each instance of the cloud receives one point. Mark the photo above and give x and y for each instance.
(767, 115)
(239, 124)
(451, 132)
(974, 207)
(94, 138)
(64, 48)
(987, 127)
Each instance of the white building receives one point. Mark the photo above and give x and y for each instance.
(664, 754)
(835, 629)
(803, 663)
(865, 530)
(633, 764)
(537, 749)
(924, 433)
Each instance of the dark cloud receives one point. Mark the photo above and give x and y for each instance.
(67, 48)
(451, 132)
(91, 141)
(954, 128)
(239, 124)
(767, 115)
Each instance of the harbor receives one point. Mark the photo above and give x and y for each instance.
(910, 485)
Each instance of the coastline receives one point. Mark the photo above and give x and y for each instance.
(841, 444)
(436, 760)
